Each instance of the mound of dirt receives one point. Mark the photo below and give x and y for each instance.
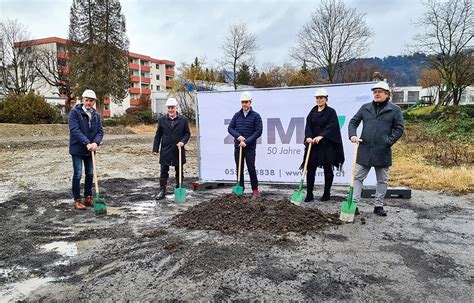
(230, 214)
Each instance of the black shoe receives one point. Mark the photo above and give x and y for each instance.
(161, 195)
(325, 197)
(309, 198)
(378, 210)
(357, 211)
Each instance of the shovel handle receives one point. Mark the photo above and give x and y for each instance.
(180, 167)
(306, 161)
(96, 182)
(240, 163)
(354, 163)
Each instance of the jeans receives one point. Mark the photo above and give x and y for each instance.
(361, 173)
(76, 178)
(248, 156)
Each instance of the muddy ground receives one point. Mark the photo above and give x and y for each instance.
(422, 251)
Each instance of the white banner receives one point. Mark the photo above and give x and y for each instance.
(280, 149)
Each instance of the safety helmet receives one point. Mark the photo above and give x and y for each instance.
(321, 92)
(171, 102)
(245, 96)
(89, 93)
(382, 85)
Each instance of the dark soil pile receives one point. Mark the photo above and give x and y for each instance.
(230, 214)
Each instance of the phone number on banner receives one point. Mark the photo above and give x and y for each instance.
(260, 172)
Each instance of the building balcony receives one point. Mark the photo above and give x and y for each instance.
(106, 113)
(145, 80)
(146, 91)
(134, 90)
(144, 68)
(134, 78)
(169, 83)
(134, 102)
(63, 69)
(169, 72)
(63, 55)
(133, 66)
(106, 101)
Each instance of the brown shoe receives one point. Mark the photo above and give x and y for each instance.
(78, 205)
(88, 201)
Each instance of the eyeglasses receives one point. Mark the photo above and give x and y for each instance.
(171, 107)
(245, 101)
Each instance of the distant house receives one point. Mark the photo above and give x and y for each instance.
(405, 96)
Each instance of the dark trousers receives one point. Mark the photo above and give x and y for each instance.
(248, 156)
(164, 174)
(328, 177)
(76, 178)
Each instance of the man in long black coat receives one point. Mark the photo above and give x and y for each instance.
(172, 133)
(382, 127)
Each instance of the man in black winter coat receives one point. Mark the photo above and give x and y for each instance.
(382, 127)
(246, 127)
(172, 133)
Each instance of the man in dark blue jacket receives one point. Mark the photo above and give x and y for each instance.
(85, 135)
(246, 127)
(172, 134)
(382, 127)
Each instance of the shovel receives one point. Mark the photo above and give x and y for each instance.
(298, 194)
(238, 190)
(99, 203)
(348, 208)
(180, 192)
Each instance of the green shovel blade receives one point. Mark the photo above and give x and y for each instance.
(348, 208)
(298, 194)
(297, 197)
(99, 205)
(238, 190)
(180, 195)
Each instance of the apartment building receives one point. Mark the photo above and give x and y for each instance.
(147, 75)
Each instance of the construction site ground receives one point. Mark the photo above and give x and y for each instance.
(216, 246)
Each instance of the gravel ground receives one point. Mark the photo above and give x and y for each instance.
(48, 251)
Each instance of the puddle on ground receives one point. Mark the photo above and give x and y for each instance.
(18, 291)
(69, 249)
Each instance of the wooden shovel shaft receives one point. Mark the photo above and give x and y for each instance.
(96, 182)
(180, 167)
(240, 164)
(306, 161)
(354, 163)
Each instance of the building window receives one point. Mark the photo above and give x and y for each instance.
(151, 86)
(157, 77)
(413, 96)
(397, 97)
(157, 66)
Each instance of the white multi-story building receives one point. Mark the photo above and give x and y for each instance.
(405, 96)
(147, 75)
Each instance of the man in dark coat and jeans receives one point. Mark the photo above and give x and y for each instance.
(85, 135)
(382, 127)
(172, 133)
(246, 127)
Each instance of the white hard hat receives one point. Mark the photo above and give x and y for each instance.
(89, 93)
(245, 96)
(321, 92)
(171, 102)
(382, 84)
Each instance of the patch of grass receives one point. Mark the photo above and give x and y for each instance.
(410, 168)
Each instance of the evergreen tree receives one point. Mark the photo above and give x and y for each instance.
(98, 48)
(243, 76)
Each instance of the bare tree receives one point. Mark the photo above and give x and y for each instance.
(239, 45)
(52, 69)
(335, 34)
(448, 39)
(17, 60)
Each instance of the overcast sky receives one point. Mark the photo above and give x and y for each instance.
(180, 30)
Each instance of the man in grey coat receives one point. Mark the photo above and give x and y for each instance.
(382, 127)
